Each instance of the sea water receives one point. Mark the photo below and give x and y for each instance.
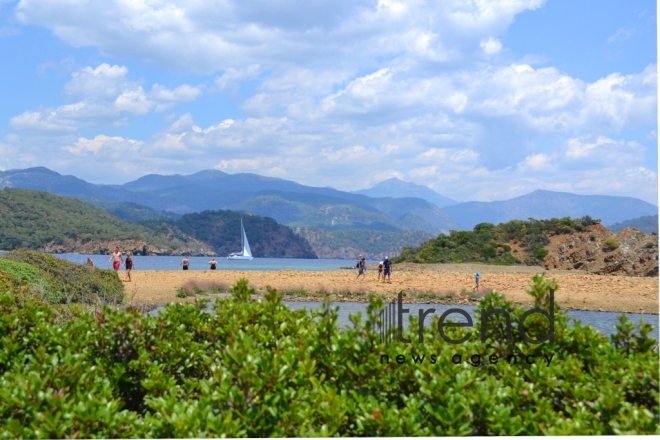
(202, 263)
(603, 321)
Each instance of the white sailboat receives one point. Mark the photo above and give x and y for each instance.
(246, 254)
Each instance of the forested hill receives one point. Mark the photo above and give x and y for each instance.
(222, 231)
(50, 223)
(492, 244)
(39, 220)
(563, 244)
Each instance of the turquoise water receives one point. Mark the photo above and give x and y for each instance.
(202, 263)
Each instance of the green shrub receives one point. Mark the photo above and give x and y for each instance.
(70, 282)
(7, 283)
(610, 244)
(22, 272)
(241, 291)
(259, 369)
(181, 293)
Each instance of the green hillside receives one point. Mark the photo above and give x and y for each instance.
(59, 281)
(349, 243)
(130, 211)
(646, 224)
(487, 243)
(33, 219)
(222, 231)
(313, 210)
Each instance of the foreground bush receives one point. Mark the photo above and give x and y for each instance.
(259, 369)
(62, 281)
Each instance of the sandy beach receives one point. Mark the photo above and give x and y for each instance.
(447, 283)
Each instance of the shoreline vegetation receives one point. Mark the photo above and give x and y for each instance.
(260, 369)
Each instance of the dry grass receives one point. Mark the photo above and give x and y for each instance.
(204, 287)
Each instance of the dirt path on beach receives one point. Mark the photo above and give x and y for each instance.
(424, 283)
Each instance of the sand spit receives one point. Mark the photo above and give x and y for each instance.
(445, 283)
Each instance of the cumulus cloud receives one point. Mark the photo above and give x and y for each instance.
(102, 95)
(202, 37)
(344, 94)
(491, 46)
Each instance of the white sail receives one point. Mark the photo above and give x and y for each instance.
(246, 245)
(247, 253)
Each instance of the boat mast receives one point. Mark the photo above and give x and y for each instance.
(242, 238)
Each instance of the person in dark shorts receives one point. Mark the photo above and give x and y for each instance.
(387, 269)
(185, 263)
(380, 272)
(90, 263)
(213, 263)
(361, 267)
(129, 266)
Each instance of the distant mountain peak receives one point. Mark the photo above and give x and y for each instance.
(33, 170)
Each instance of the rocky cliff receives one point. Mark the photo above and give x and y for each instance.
(599, 251)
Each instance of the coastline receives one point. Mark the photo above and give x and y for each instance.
(430, 284)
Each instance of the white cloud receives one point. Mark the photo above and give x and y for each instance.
(211, 37)
(537, 162)
(621, 34)
(103, 144)
(491, 46)
(105, 96)
(340, 93)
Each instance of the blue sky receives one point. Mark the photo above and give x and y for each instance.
(482, 100)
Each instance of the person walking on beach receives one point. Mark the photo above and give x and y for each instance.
(380, 272)
(362, 268)
(213, 263)
(387, 269)
(185, 263)
(476, 280)
(117, 259)
(90, 263)
(129, 267)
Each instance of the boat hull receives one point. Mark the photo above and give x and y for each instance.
(239, 257)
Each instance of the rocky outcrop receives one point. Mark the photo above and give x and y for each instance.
(190, 247)
(629, 252)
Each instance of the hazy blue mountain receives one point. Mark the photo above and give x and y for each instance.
(155, 182)
(317, 211)
(130, 211)
(43, 179)
(294, 204)
(542, 204)
(398, 208)
(216, 179)
(398, 188)
(288, 202)
(646, 224)
(330, 212)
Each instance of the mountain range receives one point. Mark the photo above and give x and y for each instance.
(391, 205)
(398, 188)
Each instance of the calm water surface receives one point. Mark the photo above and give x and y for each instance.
(202, 263)
(603, 321)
